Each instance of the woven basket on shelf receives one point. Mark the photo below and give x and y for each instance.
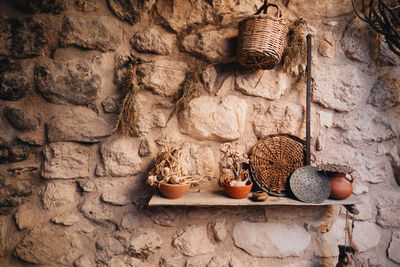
(273, 159)
(261, 39)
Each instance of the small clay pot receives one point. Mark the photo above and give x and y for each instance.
(173, 191)
(341, 186)
(237, 192)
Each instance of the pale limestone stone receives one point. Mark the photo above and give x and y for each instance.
(279, 118)
(394, 247)
(192, 241)
(65, 161)
(144, 243)
(67, 219)
(342, 90)
(59, 195)
(27, 216)
(163, 77)
(268, 84)
(219, 229)
(271, 239)
(325, 118)
(124, 260)
(107, 247)
(388, 207)
(356, 41)
(326, 46)
(77, 124)
(215, 46)
(211, 118)
(198, 160)
(366, 236)
(153, 40)
(151, 122)
(115, 197)
(359, 188)
(394, 154)
(365, 209)
(94, 210)
(101, 33)
(84, 261)
(317, 9)
(120, 158)
(180, 14)
(365, 126)
(327, 243)
(385, 92)
(165, 216)
(48, 246)
(230, 10)
(209, 77)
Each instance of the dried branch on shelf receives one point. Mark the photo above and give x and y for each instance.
(167, 168)
(232, 165)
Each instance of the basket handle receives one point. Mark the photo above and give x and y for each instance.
(265, 7)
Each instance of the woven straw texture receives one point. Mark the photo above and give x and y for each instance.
(261, 40)
(273, 159)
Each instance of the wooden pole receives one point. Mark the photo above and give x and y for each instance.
(308, 102)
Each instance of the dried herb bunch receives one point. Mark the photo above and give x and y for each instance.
(167, 168)
(191, 88)
(127, 117)
(296, 50)
(232, 165)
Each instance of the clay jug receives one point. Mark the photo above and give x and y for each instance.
(342, 185)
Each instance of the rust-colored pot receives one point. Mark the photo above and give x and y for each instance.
(237, 192)
(173, 191)
(341, 186)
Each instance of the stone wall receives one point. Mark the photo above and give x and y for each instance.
(73, 191)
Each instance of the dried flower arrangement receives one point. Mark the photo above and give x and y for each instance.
(167, 168)
(232, 165)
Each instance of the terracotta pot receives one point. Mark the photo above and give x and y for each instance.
(173, 191)
(237, 192)
(342, 187)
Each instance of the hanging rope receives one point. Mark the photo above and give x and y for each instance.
(384, 17)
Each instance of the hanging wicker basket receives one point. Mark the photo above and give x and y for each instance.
(262, 39)
(273, 159)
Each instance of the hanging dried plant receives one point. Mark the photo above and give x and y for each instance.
(191, 88)
(127, 117)
(296, 50)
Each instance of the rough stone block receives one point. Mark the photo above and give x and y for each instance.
(71, 81)
(211, 118)
(120, 158)
(22, 37)
(215, 46)
(271, 239)
(101, 33)
(65, 161)
(49, 246)
(192, 240)
(153, 40)
(78, 124)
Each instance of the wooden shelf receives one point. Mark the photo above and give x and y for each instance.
(218, 198)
